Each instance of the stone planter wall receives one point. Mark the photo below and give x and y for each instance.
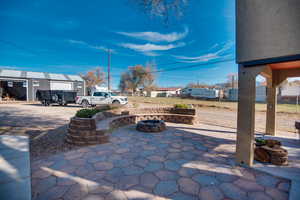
(83, 131)
(183, 111)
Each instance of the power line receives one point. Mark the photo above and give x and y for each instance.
(192, 66)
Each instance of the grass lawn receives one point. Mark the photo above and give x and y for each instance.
(284, 108)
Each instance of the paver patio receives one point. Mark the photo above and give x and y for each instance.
(183, 162)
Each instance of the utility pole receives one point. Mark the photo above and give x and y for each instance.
(108, 69)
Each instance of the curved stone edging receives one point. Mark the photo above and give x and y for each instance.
(84, 131)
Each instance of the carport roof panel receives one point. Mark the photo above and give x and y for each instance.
(75, 78)
(40, 75)
(57, 77)
(11, 73)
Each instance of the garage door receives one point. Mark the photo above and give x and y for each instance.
(61, 85)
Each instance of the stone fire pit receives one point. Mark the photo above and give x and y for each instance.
(271, 152)
(151, 126)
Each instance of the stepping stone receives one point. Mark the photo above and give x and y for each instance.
(165, 188)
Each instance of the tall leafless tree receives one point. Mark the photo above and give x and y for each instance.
(135, 77)
(93, 78)
(163, 8)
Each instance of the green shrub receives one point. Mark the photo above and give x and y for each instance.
(182, 106)
(87, 113)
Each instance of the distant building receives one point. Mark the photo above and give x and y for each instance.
(202, 93)
(289, 94)
(261, 95)
(23, 85)
(164, 92)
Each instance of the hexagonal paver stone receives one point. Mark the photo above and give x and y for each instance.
(166, 188)
(174, 156)
(103, 187)
(126, 182)
(141, 162)
(205, 180)
(188, 186)
(284, 186)
(181, 196)
(44, 184)
(233, 192)
(55, 192)
(103, 165)
(93, 197)
(165, 175)
(116, 195)
(96, 159)
(249, 186)
(122, 150)
(40, 174)
(187, 172)
(267, 180)
(211, 193)
(153, 166)
(137, 194)
(157, 158)
(133, 170)
(149, 180)
(65, 181)
(259, 196)
(172, 165)
(277, 194)
(122, 163)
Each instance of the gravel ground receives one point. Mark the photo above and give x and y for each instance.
(47, 126)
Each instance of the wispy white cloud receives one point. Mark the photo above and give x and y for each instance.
(216, 54)
(83, 43)
(150, 49)
(156, 36)
(9, 67)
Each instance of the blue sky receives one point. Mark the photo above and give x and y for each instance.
(71, 37)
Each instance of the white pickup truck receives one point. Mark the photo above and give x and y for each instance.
(101, 98)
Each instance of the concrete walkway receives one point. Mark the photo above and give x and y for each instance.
(14, 168)
(184, 162)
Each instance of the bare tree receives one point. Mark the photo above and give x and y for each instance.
(93, 78)
(163, 8)
(136, 76)
(232, 80)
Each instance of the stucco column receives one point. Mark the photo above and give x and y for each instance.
(246, 115)
(271, 108)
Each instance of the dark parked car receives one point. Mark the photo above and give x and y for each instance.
(61, 97)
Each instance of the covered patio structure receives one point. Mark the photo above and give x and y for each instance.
(268, 44)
